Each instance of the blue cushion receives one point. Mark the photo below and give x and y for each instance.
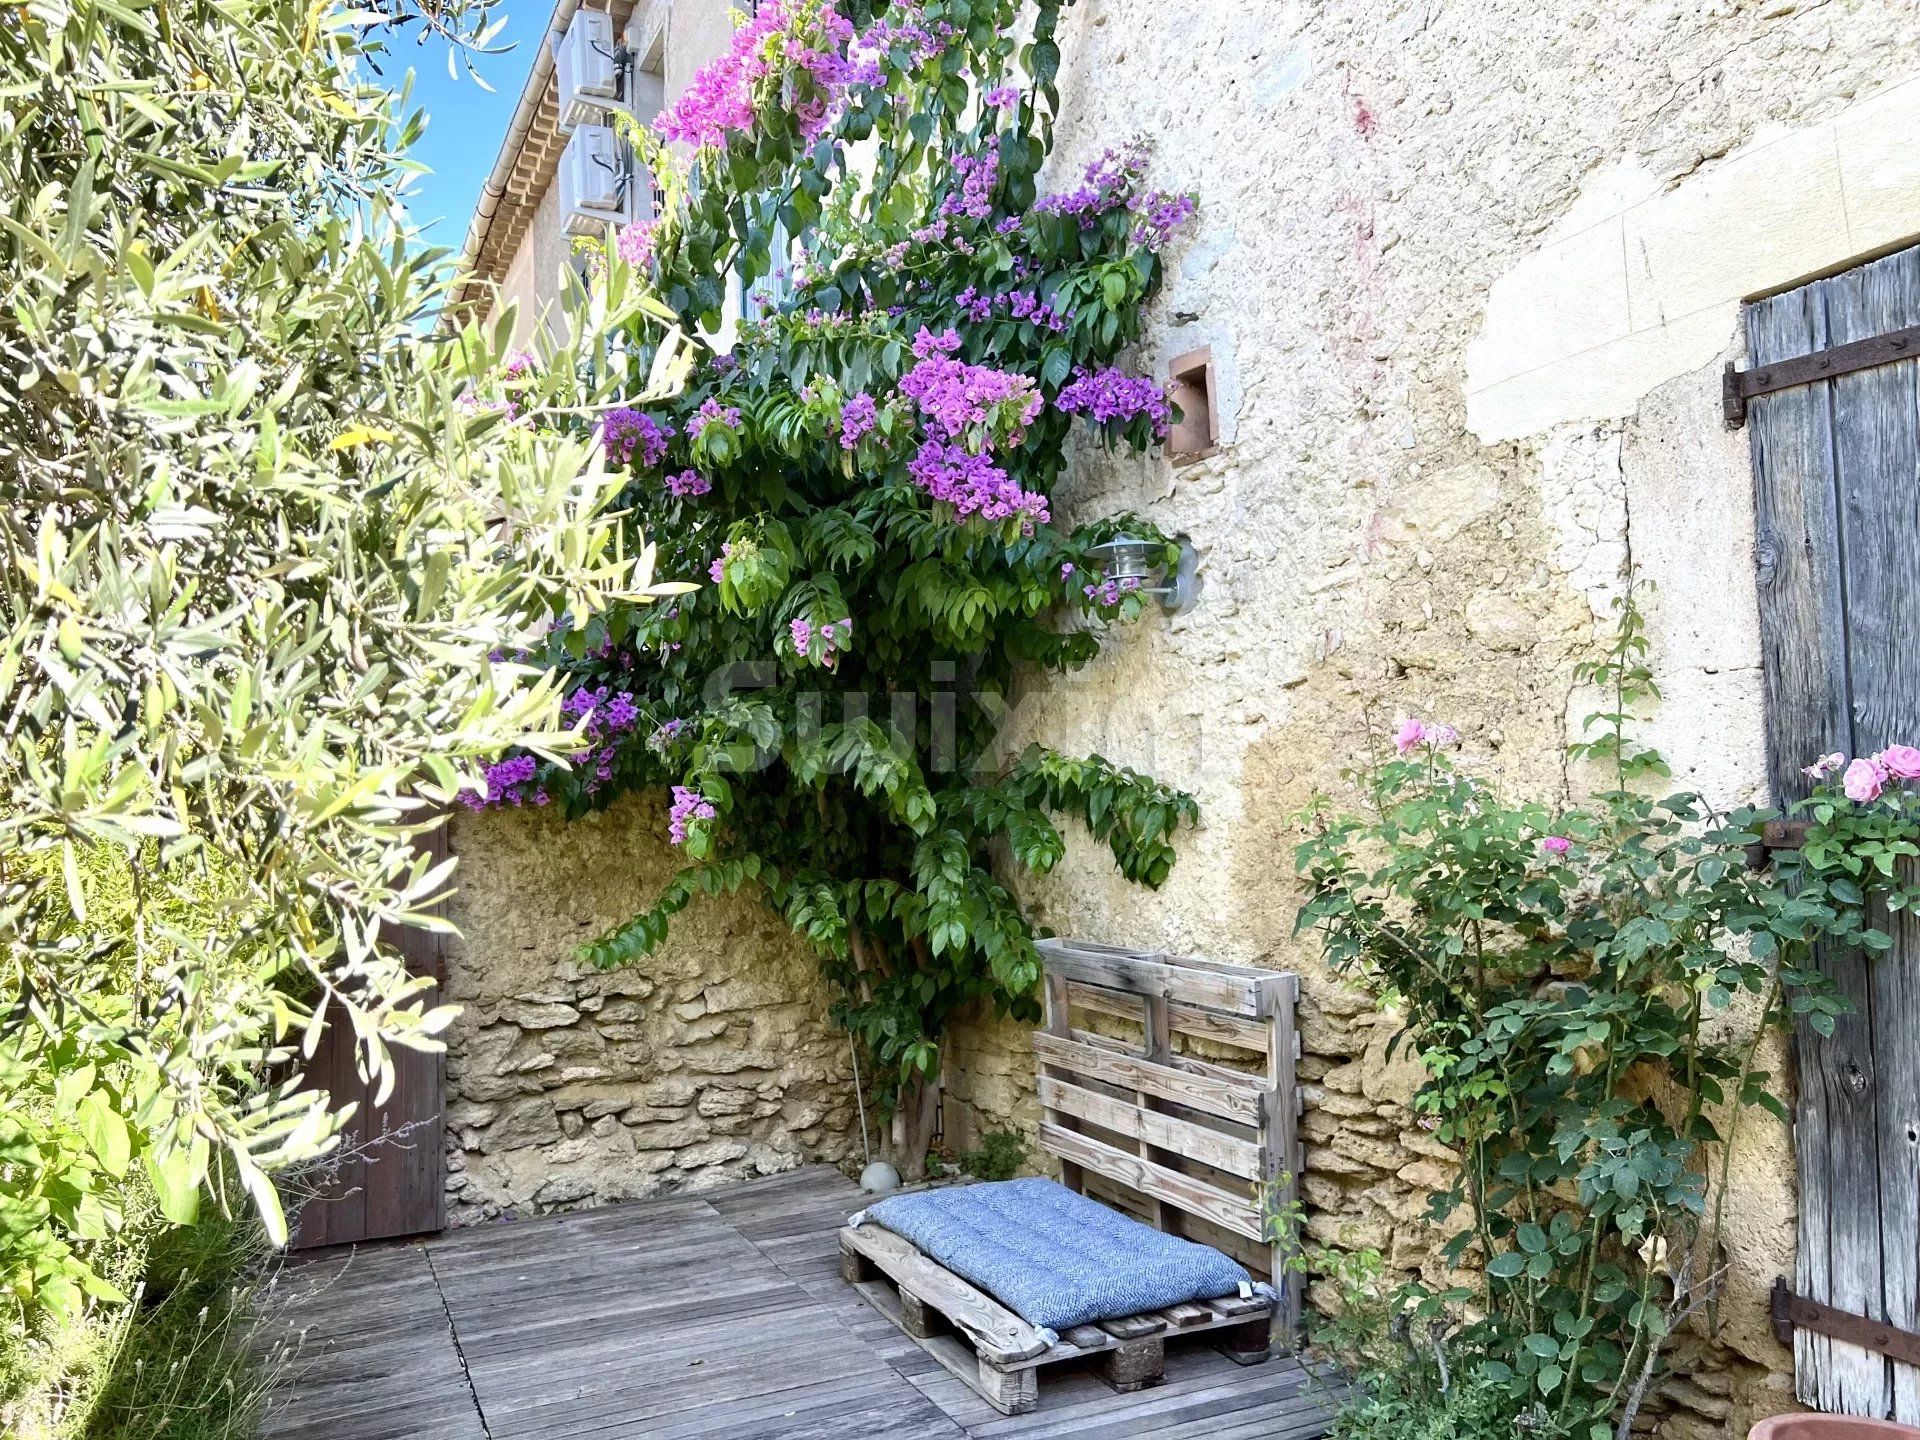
(1055, 1258)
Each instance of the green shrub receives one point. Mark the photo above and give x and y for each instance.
(260, 565)
(1569, 979)
(999, 1156)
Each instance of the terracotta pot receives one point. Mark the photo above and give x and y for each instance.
(1830, 1427)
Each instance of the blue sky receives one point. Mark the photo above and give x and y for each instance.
(465, 123)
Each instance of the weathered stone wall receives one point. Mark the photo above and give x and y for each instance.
(1469, 274)
(708, 1062)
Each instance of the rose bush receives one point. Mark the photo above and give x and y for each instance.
(1588, 989)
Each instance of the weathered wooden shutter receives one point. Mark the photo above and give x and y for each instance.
(1836, 467)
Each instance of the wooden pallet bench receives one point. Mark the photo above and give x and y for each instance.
(1191, 1146)
(1000, 1355)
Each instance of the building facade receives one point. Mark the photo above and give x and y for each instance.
(1470, 277)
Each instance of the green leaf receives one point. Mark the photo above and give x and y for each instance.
(105, 1133)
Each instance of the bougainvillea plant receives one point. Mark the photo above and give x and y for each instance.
(1589, 989)
(864, 478)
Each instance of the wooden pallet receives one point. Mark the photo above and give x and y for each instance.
(1000, 1355)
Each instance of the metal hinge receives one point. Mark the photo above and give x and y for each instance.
(1740, 386)
(1795, 1312)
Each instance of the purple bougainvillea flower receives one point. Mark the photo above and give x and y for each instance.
(688, 805)
(627, 432)
(1556, 845)
(857, 418)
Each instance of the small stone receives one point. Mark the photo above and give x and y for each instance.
(669, 1136)
(524, 1122)
(714, 1152)
(1427, 1175)
(563, 1190)
(538, 1015)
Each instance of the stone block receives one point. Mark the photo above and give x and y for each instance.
(538, 1014)
(670, 1136)
(521, 1123)
(712, 1152)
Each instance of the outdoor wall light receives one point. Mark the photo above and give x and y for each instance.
(1127, 557)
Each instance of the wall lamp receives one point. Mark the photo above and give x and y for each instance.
(1128, 557)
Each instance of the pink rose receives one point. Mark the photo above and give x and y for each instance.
(1412, 735)
(1826, 765)
(1900, 761)
(1442, 735)
(1556, 845)
(1864, 780)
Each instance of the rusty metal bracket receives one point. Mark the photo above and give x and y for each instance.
(1776, 835)
(1740, 386)
(1795, 1312)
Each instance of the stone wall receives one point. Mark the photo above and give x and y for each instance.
(1469, 274)
(708, 1062)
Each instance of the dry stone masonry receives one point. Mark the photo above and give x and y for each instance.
(709, 1062)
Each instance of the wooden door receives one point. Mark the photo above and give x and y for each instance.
(390, 1175)
(1837, 486)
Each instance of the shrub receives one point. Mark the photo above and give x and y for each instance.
(869, 482)
(1588, 990)
(999, 1156)
(259, 557)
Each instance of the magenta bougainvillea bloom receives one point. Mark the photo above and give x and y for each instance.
(689, 483)
(1556, 845)
(712, 412)
(975, 486)
(1864, 780)
(1415, 733)
(798, 38)
(1112, 394)
(1157, 216)
(688, 806)
(1001, 97)
(717, 571)
(634, 243)
(977, 175)
(954, 397)
(627, 432)
(1112, 182)
(857, 418)
(1109, 592)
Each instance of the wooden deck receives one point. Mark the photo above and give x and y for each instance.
(719, 1314)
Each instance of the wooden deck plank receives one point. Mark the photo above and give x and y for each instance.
(720, 1316)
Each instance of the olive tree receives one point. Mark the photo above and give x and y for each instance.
(267, 534)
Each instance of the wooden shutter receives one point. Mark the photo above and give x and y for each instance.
(1836, 469)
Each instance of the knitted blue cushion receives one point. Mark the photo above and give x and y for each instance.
(1055, 1258)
